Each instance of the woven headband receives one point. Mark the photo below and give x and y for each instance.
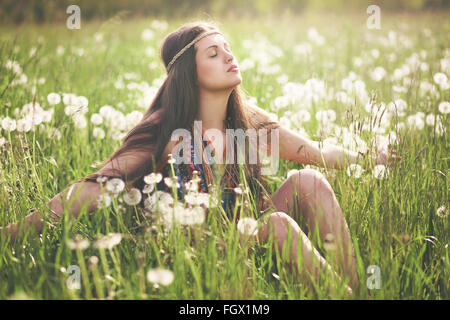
(201, 36)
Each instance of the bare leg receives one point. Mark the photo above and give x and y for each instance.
(309, 191)
(280, 225)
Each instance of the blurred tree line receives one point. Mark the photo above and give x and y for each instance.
(39, 11)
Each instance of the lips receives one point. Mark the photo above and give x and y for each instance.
(233, 68)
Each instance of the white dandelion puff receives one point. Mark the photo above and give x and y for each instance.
(9, 124)
(98, 133)
(444, 107)
(53, 98)
(172, 182)
(78, 243)
(159, 276)
(133, 197)
(442, 212)
(148, 188)
(354, 170)
(380, 171)
(96, 119)
(109, 241)
(153, 178)
(115, 185)
(103, 201)
(247, 226)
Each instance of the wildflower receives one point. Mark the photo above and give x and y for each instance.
(102, 179)
(153, 178)
(415, 121)
(103, 201)
(197, 198)
(441, 79)
(380, 171)
(442, 212)
(98, 133)
(354, 170)
(96, 119)
(378, 74)
(172, 182)
(147, 34)
(430, 119)
(444, 107)
(78, 243)
(171, 159)
(69, 99)
(24, 125)
(191, 216)
(79, 121)
(159, 276)
(9, 124)
(133, 197)
(247, 226)
(148, 188)
(53, 98)
(93, 260)
(109, 241)
(115, 185)
(191, 186)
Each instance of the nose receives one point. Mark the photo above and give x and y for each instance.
(230, 57)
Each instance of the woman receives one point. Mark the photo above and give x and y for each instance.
(203, 84)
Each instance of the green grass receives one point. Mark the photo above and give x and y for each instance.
(393, 222)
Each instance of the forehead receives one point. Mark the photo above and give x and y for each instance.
(212, 39)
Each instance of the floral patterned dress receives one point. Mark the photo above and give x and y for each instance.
(184, 172)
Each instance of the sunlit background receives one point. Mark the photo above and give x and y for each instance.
(332, 71)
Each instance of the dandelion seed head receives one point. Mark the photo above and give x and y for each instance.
(133, 197)
(109, 241)
(153, 178)
(247, 226)
(115, 185)
(380, 171)
(442, 212)
(161, 277)
(78, 243)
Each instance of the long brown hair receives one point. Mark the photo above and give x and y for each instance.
(175, 106)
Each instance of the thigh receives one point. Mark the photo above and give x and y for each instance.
(297, 193)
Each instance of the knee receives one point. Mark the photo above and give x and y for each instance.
(310, 180)
(279, 222)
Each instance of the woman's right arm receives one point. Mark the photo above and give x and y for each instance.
(89, 191)
(84, 193)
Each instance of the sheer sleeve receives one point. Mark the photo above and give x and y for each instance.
(130, 165)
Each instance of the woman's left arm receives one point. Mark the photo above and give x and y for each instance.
(300, 149)
(295, 147)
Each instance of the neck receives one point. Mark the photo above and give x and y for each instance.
(213, 109)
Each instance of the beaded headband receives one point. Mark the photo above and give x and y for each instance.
(189, 45)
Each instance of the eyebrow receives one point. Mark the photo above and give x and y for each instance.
(215, 45)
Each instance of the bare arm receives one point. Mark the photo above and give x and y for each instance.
(88, 192)
(81, 194)
(298, 148)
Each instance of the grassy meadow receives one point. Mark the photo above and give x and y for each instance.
(326, 76)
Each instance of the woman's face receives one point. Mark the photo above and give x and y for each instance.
(214, 58)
